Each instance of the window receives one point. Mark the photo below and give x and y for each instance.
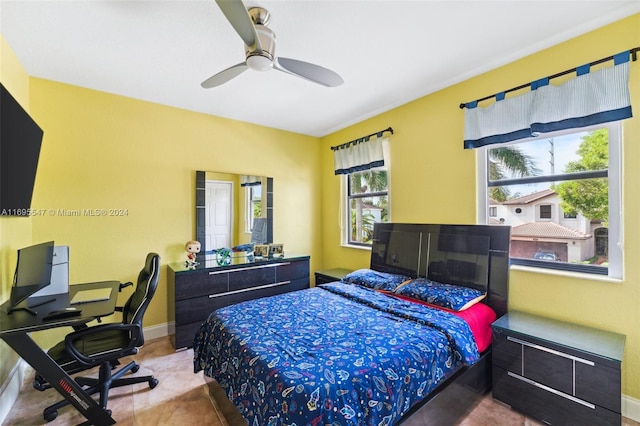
(576, 173)
(367, 198)
(545, 211)
(254, 204)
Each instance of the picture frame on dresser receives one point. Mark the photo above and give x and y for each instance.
(276, 250)
(261, 250)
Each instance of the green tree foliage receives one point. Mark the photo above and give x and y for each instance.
(508, 162)
(361, 183)
(589, 197)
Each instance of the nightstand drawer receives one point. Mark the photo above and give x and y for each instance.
(539, 363)
(547, 404)
(600, 383)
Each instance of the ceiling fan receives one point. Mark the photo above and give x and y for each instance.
(260, 45)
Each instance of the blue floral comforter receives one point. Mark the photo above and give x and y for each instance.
(339, 354)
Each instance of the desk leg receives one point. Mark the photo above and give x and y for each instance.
(58, 378)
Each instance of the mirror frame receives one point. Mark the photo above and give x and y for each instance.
(200, 212)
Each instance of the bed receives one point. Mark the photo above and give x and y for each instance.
(375, 348)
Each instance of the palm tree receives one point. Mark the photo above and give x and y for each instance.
(361, 183)
(508, 159)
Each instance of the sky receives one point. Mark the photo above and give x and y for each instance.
(565, 149)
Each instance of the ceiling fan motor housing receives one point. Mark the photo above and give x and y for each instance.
(262, 60)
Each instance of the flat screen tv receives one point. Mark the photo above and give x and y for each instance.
(20, 141)
(33, 273)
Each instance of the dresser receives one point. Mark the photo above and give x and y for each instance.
(195, 293)
(557, 372)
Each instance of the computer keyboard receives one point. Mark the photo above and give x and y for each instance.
(62, 313)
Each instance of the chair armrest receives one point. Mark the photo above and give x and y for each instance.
(122, 286)
(89, 360)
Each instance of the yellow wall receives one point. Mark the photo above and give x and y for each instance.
(15, 232)
(103, 151)
(433, 180)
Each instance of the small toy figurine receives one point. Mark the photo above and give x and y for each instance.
(192, 248)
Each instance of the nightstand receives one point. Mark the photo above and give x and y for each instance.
(331, 275)
(558, 372)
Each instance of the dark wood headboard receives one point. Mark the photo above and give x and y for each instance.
(470, 255)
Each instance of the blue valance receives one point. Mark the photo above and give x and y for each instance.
(588, 99)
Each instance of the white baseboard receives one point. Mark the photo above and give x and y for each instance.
(11, 388)
(631, 408)
(160, 330)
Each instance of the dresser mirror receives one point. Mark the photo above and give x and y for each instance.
(232, 210)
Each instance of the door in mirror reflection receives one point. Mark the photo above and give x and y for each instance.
(219, 213)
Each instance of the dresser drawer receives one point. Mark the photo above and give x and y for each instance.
(199, 283)
(258, 292)
(292, 271)
(197, 308)
(185, 333)
(253, 276)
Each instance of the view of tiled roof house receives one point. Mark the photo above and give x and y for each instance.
(541, 229)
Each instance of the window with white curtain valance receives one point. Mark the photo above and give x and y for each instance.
(361, 154)
(248, 180)
(588, 99)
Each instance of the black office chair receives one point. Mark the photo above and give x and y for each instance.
(104, 344)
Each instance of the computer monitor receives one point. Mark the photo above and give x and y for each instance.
(33, 273)
(259, 231)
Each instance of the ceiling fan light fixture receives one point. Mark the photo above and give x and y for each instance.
(260, 49)
(259, 63)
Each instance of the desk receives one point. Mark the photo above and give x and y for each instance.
(15, 329)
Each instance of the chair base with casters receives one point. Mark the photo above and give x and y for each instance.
(105, 345)
(106, 380)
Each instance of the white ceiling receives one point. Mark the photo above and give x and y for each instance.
(388, 52)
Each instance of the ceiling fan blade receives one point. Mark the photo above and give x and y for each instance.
(308, 71)
(239, 18)
(225, 75)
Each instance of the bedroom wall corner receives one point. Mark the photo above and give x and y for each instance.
(15, 232)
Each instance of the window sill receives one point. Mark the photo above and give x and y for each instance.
(567, 274)
(353, 246)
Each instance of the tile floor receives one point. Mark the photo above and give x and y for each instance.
(183, 398)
